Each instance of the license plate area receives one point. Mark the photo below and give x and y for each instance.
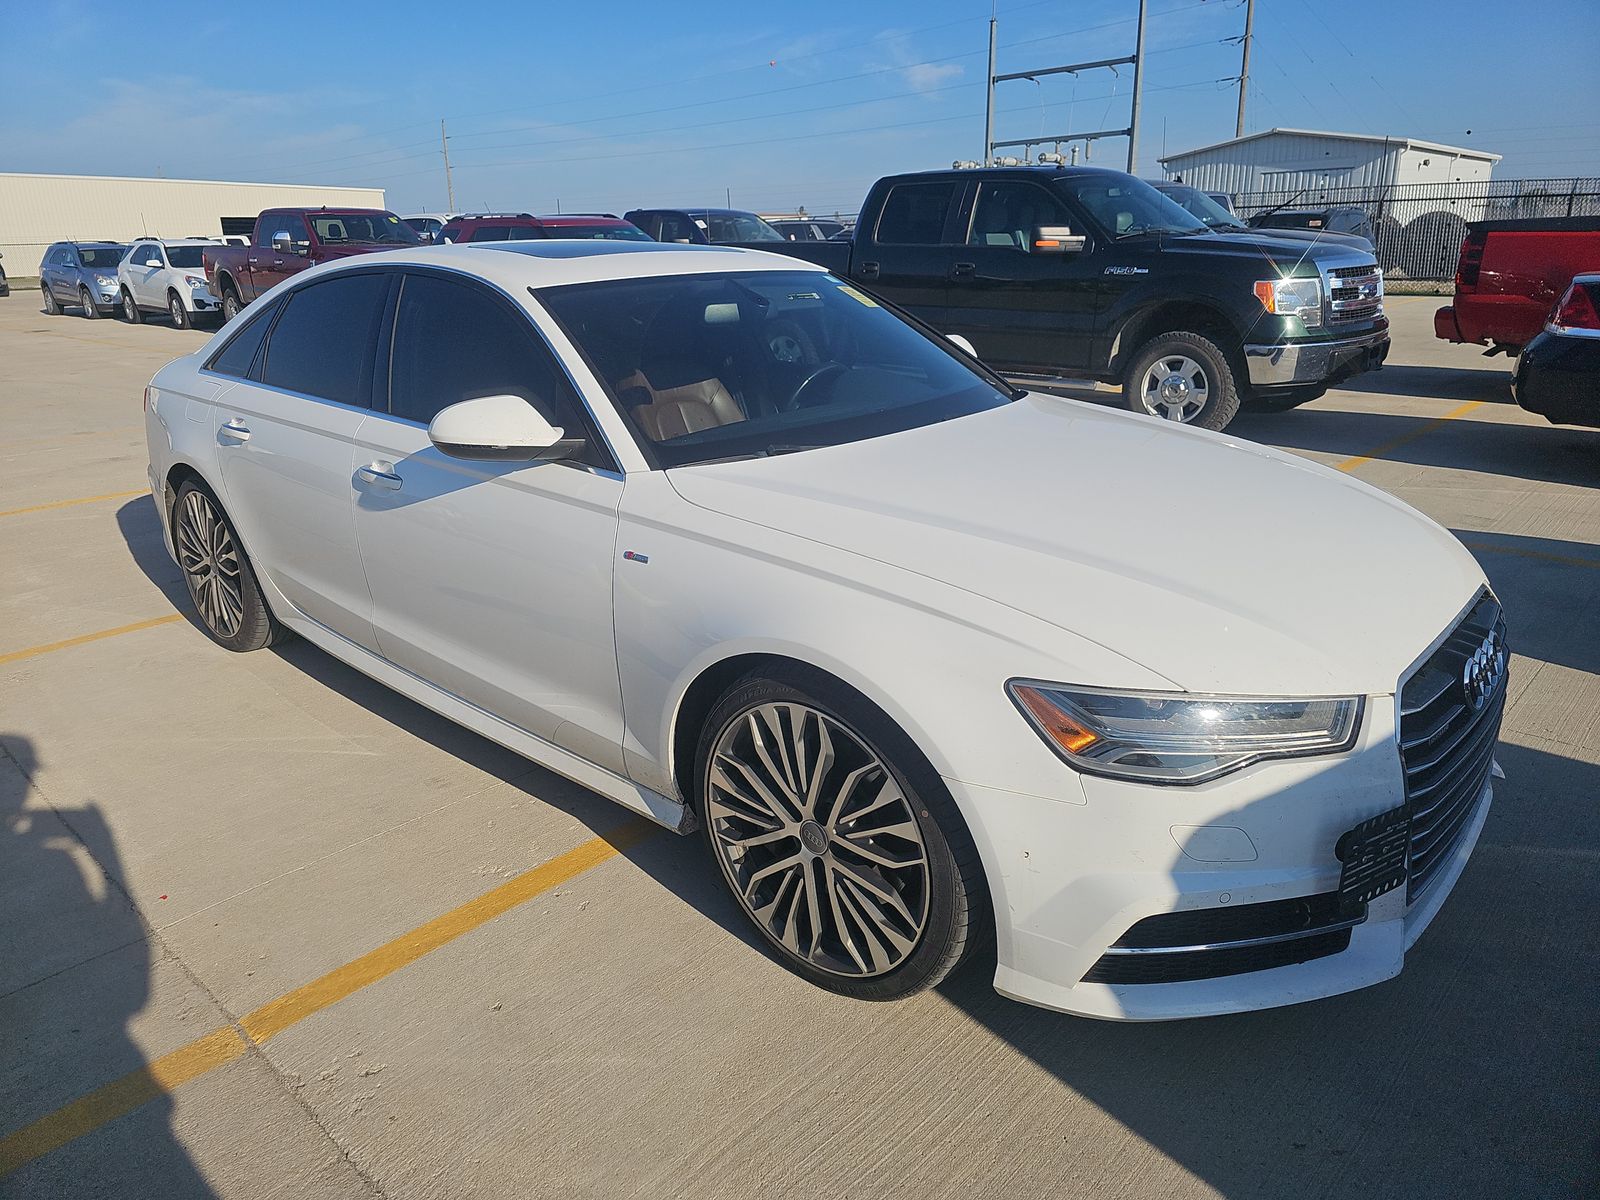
(1374, 857)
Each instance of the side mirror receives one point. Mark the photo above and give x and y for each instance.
(961, 343)
(1056, 239)
(282, 243)
(500, 429)
(152, 262)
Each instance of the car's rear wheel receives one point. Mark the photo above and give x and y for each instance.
(176, 310)
(87, 301)
(221, 581)
(230, 303)
(1182, 377)
(51, 307)
(130, 310)
(837, 839)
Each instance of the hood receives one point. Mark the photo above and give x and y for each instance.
(1348, 241)
(1259, 245)
(1218, 564)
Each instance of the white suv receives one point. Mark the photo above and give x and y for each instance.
(166, 275)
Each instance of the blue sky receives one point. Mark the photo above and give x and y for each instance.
(620, 104)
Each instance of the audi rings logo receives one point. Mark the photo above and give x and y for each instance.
(1484, 671)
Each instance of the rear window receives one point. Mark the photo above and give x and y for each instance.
(914, 214)
(187, 257)
(322, 345)
(101, 256)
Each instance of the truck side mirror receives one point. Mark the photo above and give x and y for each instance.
(282, 243)
(1056, 239)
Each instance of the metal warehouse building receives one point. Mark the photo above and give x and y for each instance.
(1288, 160)
(36, 210)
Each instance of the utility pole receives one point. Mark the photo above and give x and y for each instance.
(449, 184)
(1244, 67)
(988, 104)
(1138, 92)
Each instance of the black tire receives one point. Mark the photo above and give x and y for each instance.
(178, 313)
(51, 307)
(954, 896)
(230, 303)
(87, 301)
(254, 626)
(130, 310)
(1221, 398)
(1282, 399)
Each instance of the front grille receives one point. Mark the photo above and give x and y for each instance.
(1354, 293)
(1446, 743)
(1208, 943)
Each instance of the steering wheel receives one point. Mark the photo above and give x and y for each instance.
(794, 402)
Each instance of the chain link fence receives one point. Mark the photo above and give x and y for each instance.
(1418, 227)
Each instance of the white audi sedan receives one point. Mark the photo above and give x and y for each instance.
(938, 668)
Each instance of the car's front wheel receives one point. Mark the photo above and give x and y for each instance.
(221, 581)
(176, 310)
(837, 839)
(1182, 377)
(87, 301)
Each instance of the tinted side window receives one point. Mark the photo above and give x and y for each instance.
(1008, 211)
(235, 358)
(525, 233)
(455, 342)
(490, 233)
(323, 343)
(675, 228)
(914, 214)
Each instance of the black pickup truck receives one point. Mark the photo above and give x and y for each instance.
(1086, 273)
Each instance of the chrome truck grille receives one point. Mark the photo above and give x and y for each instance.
(1354, 293)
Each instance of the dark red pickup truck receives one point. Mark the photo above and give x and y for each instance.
(1510, 274)
(288, 240)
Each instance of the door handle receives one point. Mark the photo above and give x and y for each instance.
(869, 270)
(963, 270)
(380, 475)
(252, 261)
(277, 262)
(235, 430)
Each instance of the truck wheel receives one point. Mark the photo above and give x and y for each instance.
(1182, 377)
(179, 314)
(1282, 399)
(130, 310)
(230, 303)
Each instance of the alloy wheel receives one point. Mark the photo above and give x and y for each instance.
(818, 840)
(1175, 388)
(129, 308)
(210, 563)
(176, 309)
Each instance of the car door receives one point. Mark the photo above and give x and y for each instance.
(910, 253)
(491, 580)
(64, 279)
(1018, 308)
(144, 281)
(286, 447)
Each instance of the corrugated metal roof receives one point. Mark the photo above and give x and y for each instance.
(1398, 143)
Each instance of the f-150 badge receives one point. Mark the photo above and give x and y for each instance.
(1127, 270)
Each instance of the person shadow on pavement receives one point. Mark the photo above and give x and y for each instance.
(75, 970)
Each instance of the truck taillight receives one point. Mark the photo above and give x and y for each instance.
(1471, 261)
(1577, 309)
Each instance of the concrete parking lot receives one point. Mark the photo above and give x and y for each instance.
(270, 930)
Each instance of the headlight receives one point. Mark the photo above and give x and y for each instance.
(1292, 298)
(194, 281)
(106, 281)
(1173, 737)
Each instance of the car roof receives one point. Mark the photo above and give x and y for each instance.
(517, 266)
(199, 241)
(92, 245)
(583, 219)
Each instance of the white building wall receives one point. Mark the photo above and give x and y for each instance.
(36, 210)
(1288, 161)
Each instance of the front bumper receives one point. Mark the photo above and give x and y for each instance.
(1070, 880)
(1297, 364)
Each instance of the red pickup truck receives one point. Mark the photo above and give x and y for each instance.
(1509, 276)
(288, 240)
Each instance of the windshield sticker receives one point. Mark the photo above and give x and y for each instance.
(859, 297)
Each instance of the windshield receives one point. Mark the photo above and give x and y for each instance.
(1196, 203)
(101, 256)
(1127, 206)
(185, 256)
(381, 229)
(619, 233)
(754, 363)
(737, 227)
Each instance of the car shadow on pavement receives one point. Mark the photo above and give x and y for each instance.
(1541, 453)
(75, 970)
(1550, 590)
(1492, 384)
(1472, 1074)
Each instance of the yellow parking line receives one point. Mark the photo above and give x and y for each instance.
(1350, 464)
(68, 643)
(222, 1046)
(33, 508)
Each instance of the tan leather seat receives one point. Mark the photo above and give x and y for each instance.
(673, 412)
